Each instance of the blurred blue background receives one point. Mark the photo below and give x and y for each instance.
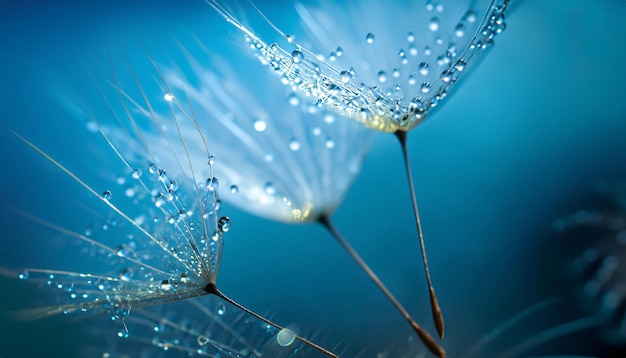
(520, 143)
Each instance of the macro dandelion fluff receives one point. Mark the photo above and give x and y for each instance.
(172, 248)
(387, 82)
(290, 162)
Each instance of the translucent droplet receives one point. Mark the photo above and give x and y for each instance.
(212, 184)
(89, 230)
(294, 145)
(23, 275)
(152, 169)
(297, 56)
(223, 224)
(285, 337)
(329, 143)
(425, 87)
(202, 340)
(166, 285)
(234, 189)
(410, 37)
(269, 188)
(211, 160)
(424, 68)
(107, 194)
(345, 76)
(396, 73)
(290, 38)
(382, 76)
(126, 274)
(221, 309)
(369, 38)
(459, 31)
(137, 173)
(260, 125)
(339, 51)
(433, 25)
(293, 99)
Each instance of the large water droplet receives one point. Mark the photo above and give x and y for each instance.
(234, 189)
(107, 194)
(212, 184)
(433, 25)
(166, 285)
(223, 224)
(297, 56)
(285, 337)
(369, 38)
(382, 76)
(137, 173)
(202, 340)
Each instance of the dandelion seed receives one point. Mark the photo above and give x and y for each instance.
(172, 258)
(398, 108)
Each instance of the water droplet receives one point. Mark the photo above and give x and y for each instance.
(424, 68)
(290, 38)
(294, 145)
(460, 65)
(260, 125)
(126, 274)
(234, 189)
(297, 56)
(285, 337)
(166, 285)
(329, 143)
(152, 169)
(23, 275)
(89, 230)
(221, 309)
(339, 51)
(470, 16)
(293, 99)
(396, 73)
(212, 184)
(223, 224)
(382, 76)
(345, 76)
(202, 340)
(410, 37)
(433, 25)
(459, 31)
(211, 160)
(369, 38)
(269, 188)
(107, 194)
(425, 87)
(136, 174)
(168, 97)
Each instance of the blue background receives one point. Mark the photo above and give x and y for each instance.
(521, 142)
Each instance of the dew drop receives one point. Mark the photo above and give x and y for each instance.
(221, 309)
(425, 87)
(382, 76)
(297, 56)
(345, 76)
(107, 194)
(285, 337)
(424, 68)
(211, 160)
(223, 224)
(339, 51)
(293, 99)
(23, 275)
(260, 125)
(202, 340)
(459, 31)
(294, 145)
(89, 230)
(290, 38)
(369, 38)
(212, 184)
(168, 97)
(410, 37)
(269, 188)
(234, 189)
(126, 274)
(396, 73)
(329, 143)
(433, 25)
(166, 285)
(136, 174)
